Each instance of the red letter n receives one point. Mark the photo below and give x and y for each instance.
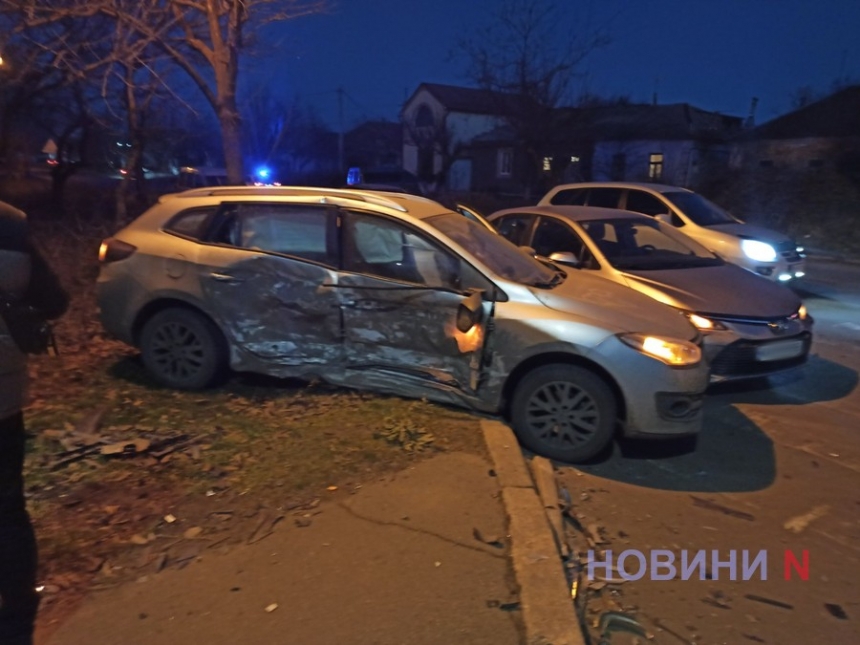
(791, 561)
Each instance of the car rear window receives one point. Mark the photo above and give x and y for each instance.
(191, 223)
(570, 197)
(604, 197)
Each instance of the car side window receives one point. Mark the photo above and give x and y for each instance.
(191, 223)
(570, 197)
(639, 201)
(387, 249)
(306, 232)
(515, 228)
(604, 197)
(552, 236)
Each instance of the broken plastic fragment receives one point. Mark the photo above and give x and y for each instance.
(836, 611)
(272, 607)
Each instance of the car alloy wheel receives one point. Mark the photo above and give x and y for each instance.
(183, 349)
(564, 412)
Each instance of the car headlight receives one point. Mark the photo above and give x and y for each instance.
(802, 313)
(672, 351)
(704, 324)
(758, 251)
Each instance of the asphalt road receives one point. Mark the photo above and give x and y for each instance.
(777, 468)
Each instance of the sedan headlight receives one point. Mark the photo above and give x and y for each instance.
(802, 313)
(758, 251)
(704, 324)
(672, 351)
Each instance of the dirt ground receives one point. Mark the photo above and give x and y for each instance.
(122, 474)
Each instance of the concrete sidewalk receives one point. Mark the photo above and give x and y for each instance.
(398, 562)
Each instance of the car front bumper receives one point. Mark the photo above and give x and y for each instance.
(659, 400)
(754, 349)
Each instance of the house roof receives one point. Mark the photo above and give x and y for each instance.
(466, 99)
(837, 115)
(644, 121)
(631, 122)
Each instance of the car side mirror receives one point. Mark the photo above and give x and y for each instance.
(666, 218)
(529, 250)
(565, 257)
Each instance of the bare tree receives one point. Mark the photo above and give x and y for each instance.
(204, 38)
(437, 140)
(528, 56)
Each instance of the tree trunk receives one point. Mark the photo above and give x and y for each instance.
(231, 134)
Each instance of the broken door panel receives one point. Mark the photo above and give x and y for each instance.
(409, 334)
(275, 308)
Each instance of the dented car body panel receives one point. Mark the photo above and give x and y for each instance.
(388, 294)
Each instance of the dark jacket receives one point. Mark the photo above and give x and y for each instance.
(24, 275)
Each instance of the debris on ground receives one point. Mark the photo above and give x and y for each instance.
(836, 611)
(265, 526)
(491, 540)
(83, 442)
(725, 510)
(407, 435)
(768, 601)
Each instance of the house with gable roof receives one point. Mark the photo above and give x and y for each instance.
(459, 138)
(440, 122)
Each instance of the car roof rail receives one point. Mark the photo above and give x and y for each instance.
(288, 191)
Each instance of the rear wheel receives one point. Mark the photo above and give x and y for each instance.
(564, 412)
(183, 349)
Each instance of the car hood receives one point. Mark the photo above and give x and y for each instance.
(752, 232)
(615, 305)
(726, 290)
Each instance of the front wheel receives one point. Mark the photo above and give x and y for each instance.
(564, 412)
(183, 349)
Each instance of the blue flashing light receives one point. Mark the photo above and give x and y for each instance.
(263, 172)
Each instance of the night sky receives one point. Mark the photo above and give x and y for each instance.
(714, 54)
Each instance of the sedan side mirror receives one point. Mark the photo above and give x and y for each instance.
(666, 218)
(565, 257)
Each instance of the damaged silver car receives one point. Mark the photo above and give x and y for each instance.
(397, 294)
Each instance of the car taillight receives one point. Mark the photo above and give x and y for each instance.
(113, 250)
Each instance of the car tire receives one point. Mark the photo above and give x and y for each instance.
(564, 412)
(183, 349)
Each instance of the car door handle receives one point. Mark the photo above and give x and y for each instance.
(225, 277)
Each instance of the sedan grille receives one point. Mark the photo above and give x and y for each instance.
(741, 358)
(788, 250)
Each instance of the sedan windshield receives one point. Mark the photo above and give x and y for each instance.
(699, 210)
(643, 244)
(500, 256)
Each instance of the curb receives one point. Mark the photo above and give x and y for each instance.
(548, 611)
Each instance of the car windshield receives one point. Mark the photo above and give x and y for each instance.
(643, 244)
(699, 210)
(495, 252)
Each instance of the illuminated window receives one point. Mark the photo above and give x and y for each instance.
(504, 162)
(547, 163)
(574, 160)
(655, 166)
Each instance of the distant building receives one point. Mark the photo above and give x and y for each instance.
(460, 138)
(439, 124)
(821, 135)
